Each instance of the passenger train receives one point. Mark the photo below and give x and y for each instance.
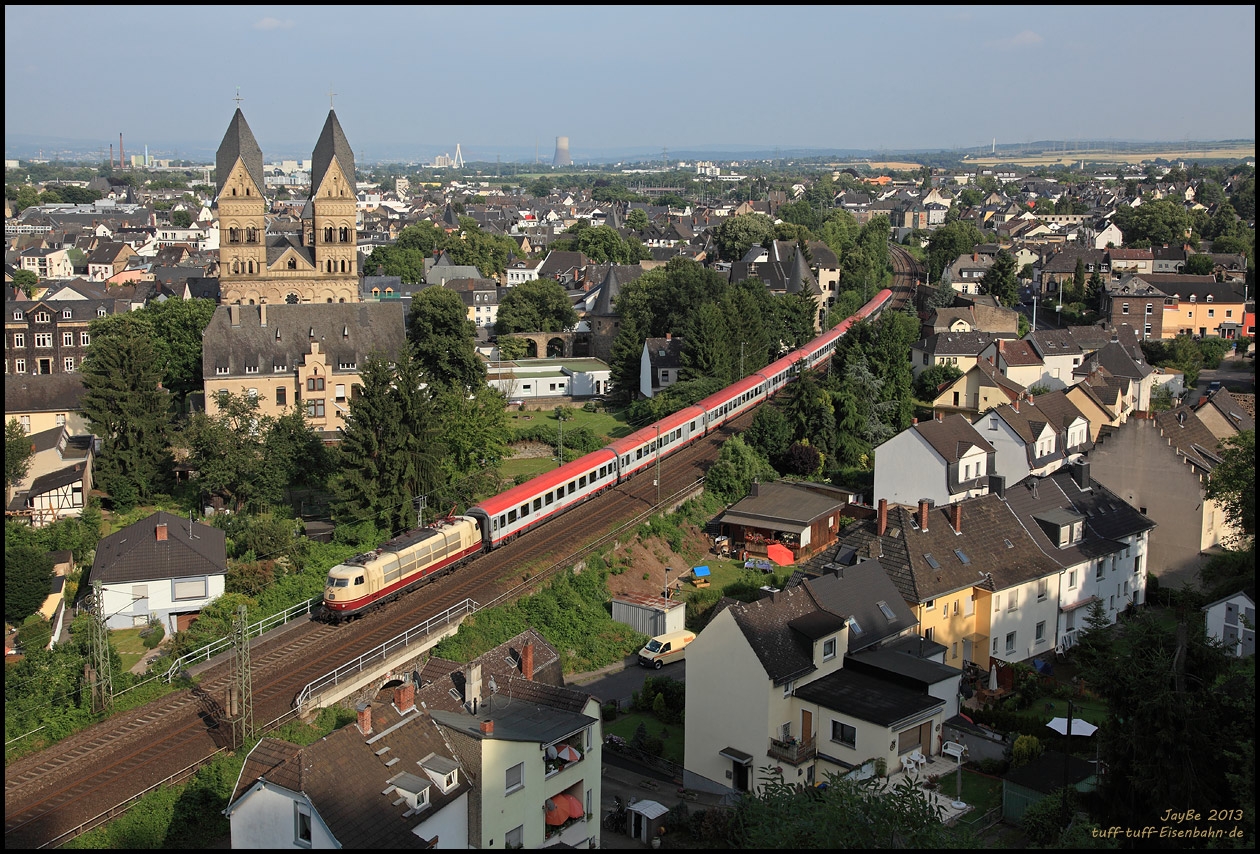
(425, 553)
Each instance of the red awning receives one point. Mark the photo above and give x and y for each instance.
(780, 554)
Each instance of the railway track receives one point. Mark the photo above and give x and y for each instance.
(81, 782)
(907, 274)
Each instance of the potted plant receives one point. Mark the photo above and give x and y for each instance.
(881, 767)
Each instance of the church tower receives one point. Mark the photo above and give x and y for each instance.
(329, 221)
(317, 263)
(242, 209)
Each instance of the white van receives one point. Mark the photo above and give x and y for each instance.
(665, 649)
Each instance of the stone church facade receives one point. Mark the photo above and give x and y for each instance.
(318, 265)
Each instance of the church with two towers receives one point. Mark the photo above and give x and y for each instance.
(318, 265)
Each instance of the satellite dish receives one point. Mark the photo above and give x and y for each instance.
(494, 686)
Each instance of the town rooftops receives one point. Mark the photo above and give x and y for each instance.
(868, 698)
(159, 547)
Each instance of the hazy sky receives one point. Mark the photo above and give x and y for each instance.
(500, 80)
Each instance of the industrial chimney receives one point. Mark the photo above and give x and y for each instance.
(562, 157)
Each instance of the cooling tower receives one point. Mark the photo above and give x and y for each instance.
(562, 157)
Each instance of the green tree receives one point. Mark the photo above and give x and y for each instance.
(801, 213)
(737, 466)
(1078, 281)
(999, 280)
(181, 219)
(540, 305)
(928, 383)
(1199, 265)
(389, 453)
(443, 340)
(18, 452)
(868, 814)
(637, 219)
(602, 244)
(28, 573)
(540, 187)
(1162, 676)
(1233, 484)
(948, 243)
(737, 234)
(707, 350)
(770, 433)
(25, 280)
(129, 412)
(1153, 223)
(174, 329)
(840, 232)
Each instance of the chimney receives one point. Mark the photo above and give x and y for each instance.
(914, 422)
(472, 687)
(955, 517)
(262, 314)
(365, 718)
(527, 660)
(756, 489)
(405, 697)
(1015, 404)
(234, 314)
(161, 532)
(997, 485)
(924, 504)
(882, 525)
(487, 727)
(1080, 473)
(938, 415)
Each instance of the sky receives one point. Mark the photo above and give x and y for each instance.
(505, 81)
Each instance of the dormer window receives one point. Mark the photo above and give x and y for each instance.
(100, 312)
(17, 315)
(66, 314)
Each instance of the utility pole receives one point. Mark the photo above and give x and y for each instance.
(98, 673)
(243, 713)
(741, 360)
(560, 433)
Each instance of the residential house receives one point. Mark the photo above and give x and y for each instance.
(960, 349)
(1168, 259)
(1134, 302)
(44, 402)
(57, 480)
(1201, 306)
(770, 683)
(1061, 352)
(163, 568)
(1135, 376)
(107, 259)
(660, 364)
(47, 263)
(522, 270)
(1162, 467)
(390, 780)
(1232, 621)
(1101, 398)
(1034, 435)
(973, 316)
(967, 271)
(1224, 415)
(981, 388)
(51, 335)
(525, 740)
(977, 582)
(1108, 236)
(304, 355)
(1126, 262)
(480, 298)
(1100, 543)
(942, 461)
(1016, 360)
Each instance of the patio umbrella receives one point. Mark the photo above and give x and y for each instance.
(993, 683)
(576, 809)
(1079, 727)
(568, 754)
(557, 811)
(781, 555)
(551, 752)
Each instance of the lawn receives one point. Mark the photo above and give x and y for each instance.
(129, 646)
(611, 425)
(670, 734)
(529, 466)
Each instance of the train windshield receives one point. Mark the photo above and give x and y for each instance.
(334, 581)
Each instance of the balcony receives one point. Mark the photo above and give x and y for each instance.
(793, 751)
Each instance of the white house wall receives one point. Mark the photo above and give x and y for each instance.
(727, 691)
(907, 469)
(265, 818)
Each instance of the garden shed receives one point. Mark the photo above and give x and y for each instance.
(650, 615)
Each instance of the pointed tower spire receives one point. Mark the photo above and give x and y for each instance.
(608, 291)
(801, 280)
(238, 143)
(332, 145)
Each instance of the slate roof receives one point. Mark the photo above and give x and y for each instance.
(1018, 353)
(1231, 409)
(43, 393)
(1190, 437)
(1116, 360)
(1106, 513)
(855, 590)
(332, 145)
(664, 352)
(901, 668)
(952, 437)
(239, 142)
(956, 343)
(350, 777)
(784, 654)
(346, 332)
(135, 554)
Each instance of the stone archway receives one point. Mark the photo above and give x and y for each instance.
(557, 347)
